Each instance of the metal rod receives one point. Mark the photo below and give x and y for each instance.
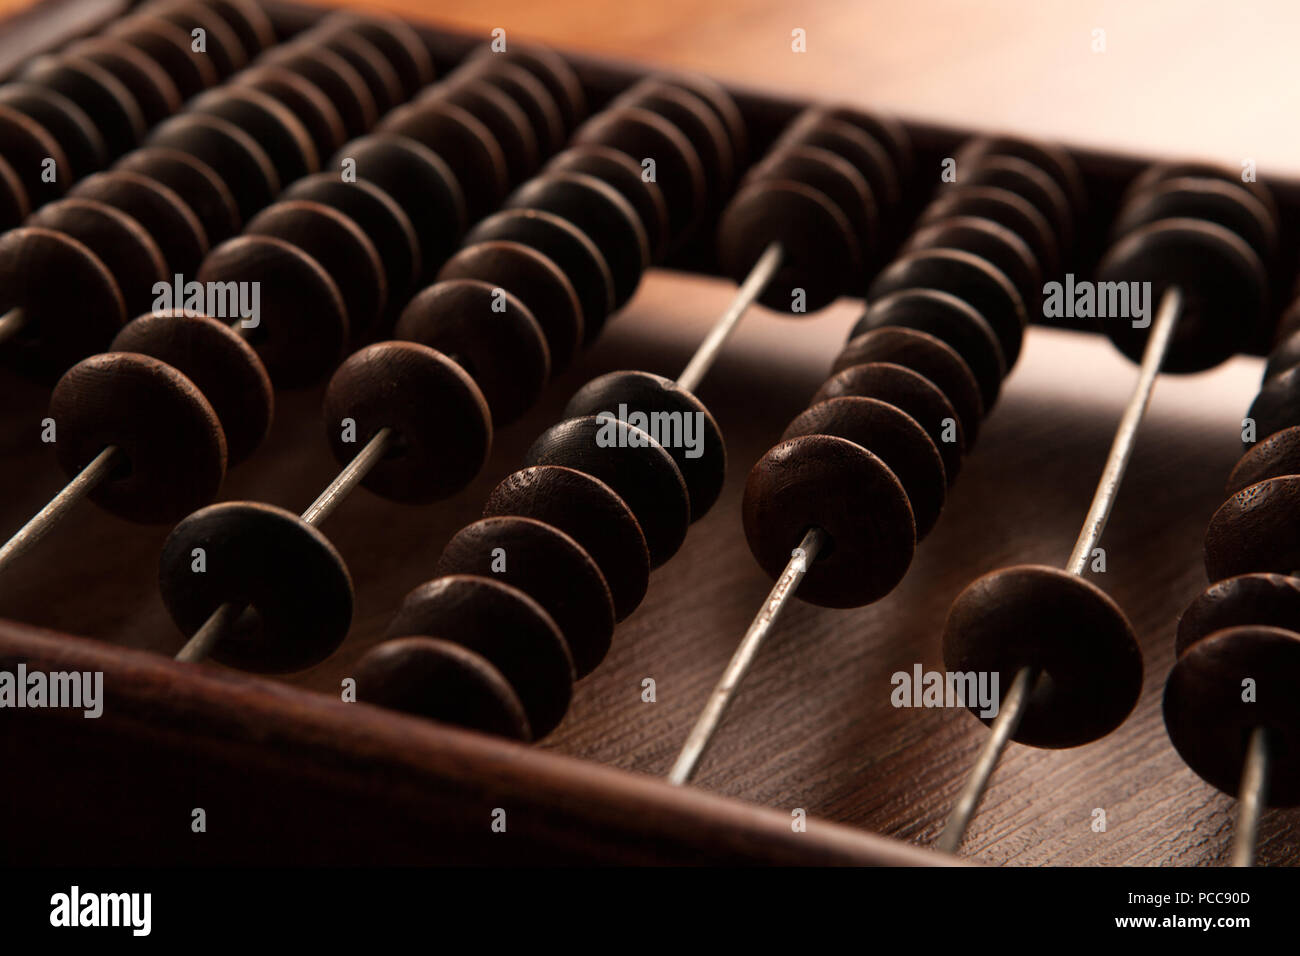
(753, 286)
(205, 638)
(1250, 797)
(1121, 450)
(1010, 712)
(707, 723)
(11, 323)
(48, 517)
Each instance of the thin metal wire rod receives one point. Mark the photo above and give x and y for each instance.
(224, 617)
(1005, 725)
(1250, 799)
(48, 517)
(758, 279)
(711, 716)
(11, 323)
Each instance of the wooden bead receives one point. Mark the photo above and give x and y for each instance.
(950, 319)
(363, 56)
(130, 254)
(590, 512)
(1271, 600)
(1209, 723)
(147, 82)
(600, 212)
(221, 43)
(1005, 208)
(568, 247)
(1223, 284)
(1257, 529)
(72, 305)
(197, 183)
(643, 134)
(384, 222)
(927, 356)
(548, 566)
(720, 101)
(442, 431)
(834, 177)
(441, 681)
(394, 38)
(26, 145)
(342, 85)
(173, 49)
(235, 156)
(500, 114)
(850, 494)
(304, 99)
(910, 392)
(822, 255)
(1162, 172)
(1028, 180)
(99, 93)
(294, 583)
(1275, 456)
(892, 435)
(170, 440)
(1049, 157)
(63, 119)
(303, 322)
(489, 333)
(529, 94)
(506, 627)
(420, 182)
(638, 398)
(467, 146)
(973, 280)
(272, 126)
(1230, 205)
(637, 467)
(554, 73)
(532, 278)
(622, 173)
(216, 359)
(1077, 637)
(249, 21)
(887, 131)
(1277, 406)
(990, 241)
(14, 203)
(340, 246)
(1284, 356)
(700, 124)
(163, 214)
(864, 151)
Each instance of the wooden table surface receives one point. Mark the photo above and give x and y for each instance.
(814, 727)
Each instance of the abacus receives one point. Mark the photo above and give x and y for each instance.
(318, 252)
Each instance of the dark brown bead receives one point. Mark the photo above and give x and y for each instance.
(548, 566)
(304, 99)
(528, 92)
(1004, 208)
(172, 47)
(340, 246)
(889, 132)
(1049, 157)
(642, 399)
(1285, 354)
(1028, 180)
(147, 82)
(441, 681)
(249, 21)
(374, 69)
(818, 481)
(220, 41)
(1223, 284)
(294, 584)
(442, 432)
(820, 252)
(568, 247)
(555, 74)
(99, 93)
(171, 450)
(505, 626)
(216, 359)
(71, 304)
(1277, 406)
(235, 156)
(643, 134)
(467, 146)
(1209, 722)
(590, 512)
(63, 119)
(1230, 205)
(489, 333)
(335, 77)
(864, 151)
(631, 462)
(700, 124)
(1275, 456)
(1090, 667)
(163, 214)
(990, 241)
(379, 216)
(197, 183)
(927, 356)
(394, 38)
(27, 146)
(532, 278)
(975, 281)
(909, 391)
(121, 243)
(721, 102)
(303, 323)
(1271, 600)
(1257, 529)
(420, 182)
(1162, 172)
(893, 436)
(284, 139)
(500, 114)
(621, 172)
(14, 203)
(599, 211)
